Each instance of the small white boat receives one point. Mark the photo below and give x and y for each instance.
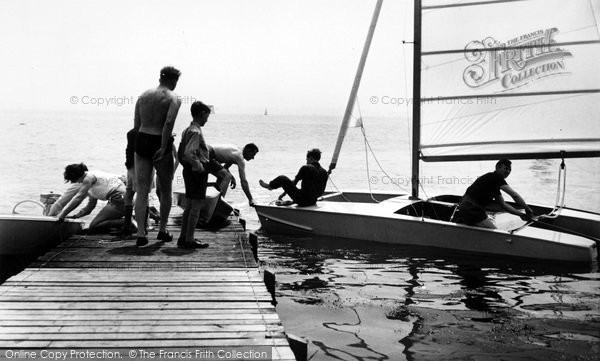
(214, 209)
(24, 234)
(397, 219)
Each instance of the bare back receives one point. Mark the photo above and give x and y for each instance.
(152, 110)
(228, 154)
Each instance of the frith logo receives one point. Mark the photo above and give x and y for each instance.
(516, 62)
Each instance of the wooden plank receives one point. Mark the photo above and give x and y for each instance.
(106, 321)
(147, 343)
(137, 276)
(206, 314)
(67, 332)
(224, 296)
(132, 289)
(146, 305)
(59, 271)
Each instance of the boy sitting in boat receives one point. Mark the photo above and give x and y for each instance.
(313, 177)
(484, 195)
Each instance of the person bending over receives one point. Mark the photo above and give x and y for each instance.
(227, 155)
(95, 185)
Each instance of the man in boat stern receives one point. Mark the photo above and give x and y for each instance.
(313, 177)
(155, 113)
(484, 195)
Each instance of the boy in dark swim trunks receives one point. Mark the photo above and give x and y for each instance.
(195, 157)
(155, 113)
(151, 212)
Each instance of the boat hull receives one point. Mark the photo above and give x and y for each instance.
(31, 234)
(380, 223)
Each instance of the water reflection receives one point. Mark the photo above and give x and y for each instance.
(422, 275)
(324, 276)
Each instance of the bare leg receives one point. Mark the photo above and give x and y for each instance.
(486, 223)
(164, 170)
(143, 175)
(128, 200)
(107, 217)
(223, 181)
(265, 185)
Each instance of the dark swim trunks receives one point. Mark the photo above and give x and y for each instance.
(195, 183)
(130, 150)
(146, 145)
(212, 166)
(471, 212)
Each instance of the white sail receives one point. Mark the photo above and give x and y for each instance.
(509, 78)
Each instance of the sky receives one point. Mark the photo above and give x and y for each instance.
(292, 57)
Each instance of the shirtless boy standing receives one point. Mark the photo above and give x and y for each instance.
(155, 113)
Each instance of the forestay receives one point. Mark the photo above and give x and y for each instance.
(509, 78)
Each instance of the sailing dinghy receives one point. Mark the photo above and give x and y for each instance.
(485, 67)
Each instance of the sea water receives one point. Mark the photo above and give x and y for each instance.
(343, 296)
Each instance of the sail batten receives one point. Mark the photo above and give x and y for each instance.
(463, 4)
(528, 87)
(505, 48)
(501, 95)
(522, 141)
(557, 154)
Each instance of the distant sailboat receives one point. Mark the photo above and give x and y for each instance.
(266, 113)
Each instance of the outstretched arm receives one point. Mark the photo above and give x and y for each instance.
(512, 210)
(89, 207)
(245, 187)
(78, 198)
(517, 198)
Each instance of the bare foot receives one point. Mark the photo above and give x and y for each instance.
(265, 185)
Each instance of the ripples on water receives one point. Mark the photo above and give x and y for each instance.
(349, 297)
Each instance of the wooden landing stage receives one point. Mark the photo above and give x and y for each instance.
(97, 293)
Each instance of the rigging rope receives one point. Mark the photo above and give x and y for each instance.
(368, 149)
(561, 190)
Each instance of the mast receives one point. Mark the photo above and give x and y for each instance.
(354, 91)
(416, 111)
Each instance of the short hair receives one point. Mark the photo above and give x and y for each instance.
(503, 161)
(314, 153)
(74, 171)
(169, 73)
(251, 147)
(198, 107)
